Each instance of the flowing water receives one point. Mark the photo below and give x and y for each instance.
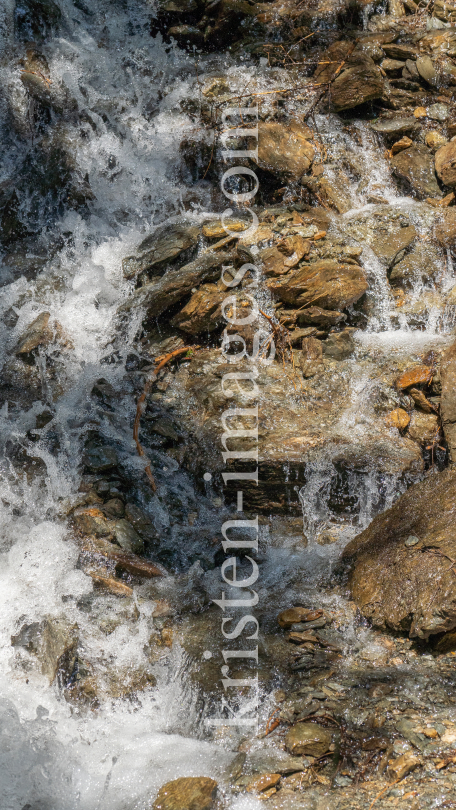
(131, 91)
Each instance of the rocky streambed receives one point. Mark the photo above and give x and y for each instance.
(117, 123)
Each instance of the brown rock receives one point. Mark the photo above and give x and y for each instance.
(409, 589)
(421, 401)
(423, 261)
(295, 615)
(398, 419)
(264, 782)
(308, 739)
(311, 359)
(356, 85)
(326, 283)
(38, 333)
(445, 163)
(51, 641)
(285, 150)
(434, 140)
(320, 317)
(187, 793)
(110, 584)
(423, 428)
(445, 228)
(415, 168)
(448, 401)
(339, 345)
(400, 145)
(203, 312)
(415, 376)
(403, 765)
(176, 284)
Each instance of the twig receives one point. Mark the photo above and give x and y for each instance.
(162, 362)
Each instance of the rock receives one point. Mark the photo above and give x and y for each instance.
(38, 333)
(438, 112)
(333, 192)
(357, 85)
(448, 401)
(126, 536)
(308, 739)
(423, 262)
(141, 522)
(409, 590)
(91, 521)
(326, 283)
(285, 150)
(339, 345)
(398, 419)
(48, 93)
(399, 146)
(320, 317)
(187, 36)
(297, 614)
(445, 228)
(385, 230)
(203, 312)
(51, 641)
(418, 375)
(176, 284)
(424, 428)
(434, 139)
(187, 793)
(99, 458)
(165, 244)
(264, 782)
(403, 765)
(421, 401)
(35, 19)
(392, 66)
(110, 584)
(415, 168)
(395, 127)
(445, 163)
(97, 549)
(411, 541)
(310, 360)
(426, 69)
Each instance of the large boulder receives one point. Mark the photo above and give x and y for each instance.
(285, 150)
(327, 283)
(402, 576)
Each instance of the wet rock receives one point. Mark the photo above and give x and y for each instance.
(445, 228)
(100, 550)
(426, 69)
(415, 168)
(445, 163)
(285, 150)
(126, 536)
(49, 93)
(326, 283)
(36, 18)
(400, 145)
(421, 401)
(176, 284)
(38, 333)
(339, 345)
(163, 245)
(308, 739)
(310, 360)
(424, 428)
(357, 85)
(434, 139)
(297, 614)
(263, 783)
(323, 318)
(187, 793)
(141, 522)
(418, 375)
(385, 230)
(99, 458)
(398, 419)
(422, 262)
(448, 401)
(438, 112)
(111, 584)
(203, 312)
(52, 641)
(393, 128)
(403, 765)
(409, 589)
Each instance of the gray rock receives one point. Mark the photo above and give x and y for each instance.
(339, 345)
(100, 458)
(438, 112)
(426, 69)
(165, 244)
(127, 537)
(395, 127)
(50, 640)
(415, 168)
